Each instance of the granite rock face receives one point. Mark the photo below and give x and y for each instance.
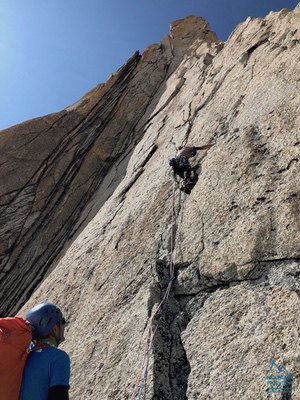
(234, 242)
(52, 166)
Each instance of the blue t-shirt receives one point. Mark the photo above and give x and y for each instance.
(44, 368)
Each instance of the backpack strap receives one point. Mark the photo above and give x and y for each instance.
(37, 345)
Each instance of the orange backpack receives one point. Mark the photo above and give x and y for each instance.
(15, 339)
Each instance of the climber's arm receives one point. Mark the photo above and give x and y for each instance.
(205, 147)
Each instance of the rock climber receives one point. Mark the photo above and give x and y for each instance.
(47, 371)
(180, 163)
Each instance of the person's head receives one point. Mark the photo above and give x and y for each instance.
(47, 322)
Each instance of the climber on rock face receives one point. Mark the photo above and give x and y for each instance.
(181, 166)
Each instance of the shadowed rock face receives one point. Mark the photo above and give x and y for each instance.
(234, 242)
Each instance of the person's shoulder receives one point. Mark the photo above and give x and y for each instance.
(61, 360)
(59, 354)
(63, 353)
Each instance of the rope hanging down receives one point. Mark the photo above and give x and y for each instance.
(140, 386)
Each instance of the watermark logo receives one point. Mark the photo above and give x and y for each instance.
(279, 380)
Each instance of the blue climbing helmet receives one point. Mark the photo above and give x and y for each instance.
(43, 318)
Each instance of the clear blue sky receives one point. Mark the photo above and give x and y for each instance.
(54, 51)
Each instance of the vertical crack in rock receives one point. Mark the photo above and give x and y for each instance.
(169, 99)
(170, 367)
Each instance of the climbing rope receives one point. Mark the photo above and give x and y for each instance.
(139, 391)
(177, 222)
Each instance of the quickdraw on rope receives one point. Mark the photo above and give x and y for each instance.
(139, 391)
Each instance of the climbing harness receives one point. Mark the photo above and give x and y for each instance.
(139, 391)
